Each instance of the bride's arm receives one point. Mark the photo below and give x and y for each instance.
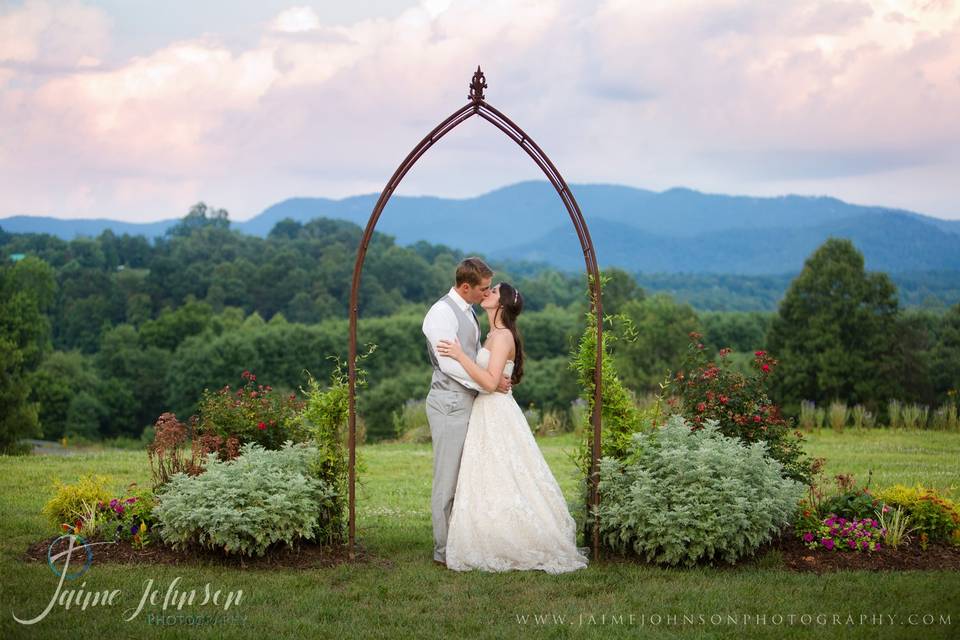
(490, 377)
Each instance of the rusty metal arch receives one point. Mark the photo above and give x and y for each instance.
(479, 107)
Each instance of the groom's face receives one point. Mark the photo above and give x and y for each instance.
(475, 294)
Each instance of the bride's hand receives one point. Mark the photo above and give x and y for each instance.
(450, 349)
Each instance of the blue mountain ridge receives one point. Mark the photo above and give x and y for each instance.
(675, 230)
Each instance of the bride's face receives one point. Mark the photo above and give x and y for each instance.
(492, 301)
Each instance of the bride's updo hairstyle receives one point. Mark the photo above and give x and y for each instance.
(511, 304)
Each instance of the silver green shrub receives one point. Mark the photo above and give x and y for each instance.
(244, 505)
(680, 496)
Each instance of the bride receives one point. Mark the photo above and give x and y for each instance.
(508, 510)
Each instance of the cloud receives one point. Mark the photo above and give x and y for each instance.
(732, 96)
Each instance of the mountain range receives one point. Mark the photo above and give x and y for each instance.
(678, 230)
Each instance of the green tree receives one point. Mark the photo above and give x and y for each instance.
(200, 216)
(27, 290)
(61, 376)
(945, 357)
(833, 332)
(662, 328)
(620, 288)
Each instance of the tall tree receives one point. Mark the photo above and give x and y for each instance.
(834, 330)
(27, 290)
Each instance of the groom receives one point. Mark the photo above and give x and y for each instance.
(452, 390)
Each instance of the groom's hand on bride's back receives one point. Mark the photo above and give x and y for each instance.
(505, 384)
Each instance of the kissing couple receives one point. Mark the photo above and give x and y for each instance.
(495, 504)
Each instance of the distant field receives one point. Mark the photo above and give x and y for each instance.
(404, 595)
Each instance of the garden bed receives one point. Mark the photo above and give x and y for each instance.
(936, 557)
(303, 555)
(795, 556)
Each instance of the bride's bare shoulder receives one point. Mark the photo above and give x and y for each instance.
(500, 340)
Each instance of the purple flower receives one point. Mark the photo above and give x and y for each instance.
(808, 537)
(864, 544)
(130, 500)
(827, 542)
(134, 528)
(852, 544)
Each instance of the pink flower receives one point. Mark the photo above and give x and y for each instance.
(262, 426)
(827, 542)
(808, 537)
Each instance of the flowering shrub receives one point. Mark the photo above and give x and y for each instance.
(71, 506)
(705, 390)
(935, 518)
(168, 455)
(685, 494)
(836, 533)
(128, 517)
(252, 413)
(246, 504)
(847, 501)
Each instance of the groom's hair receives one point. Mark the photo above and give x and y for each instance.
(472, 270)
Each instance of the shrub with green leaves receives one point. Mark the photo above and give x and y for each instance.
(72, 504)
(247, 504)
(740, 404)
(682, 495)
(937, 519)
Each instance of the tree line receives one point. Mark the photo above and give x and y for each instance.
(98, 336)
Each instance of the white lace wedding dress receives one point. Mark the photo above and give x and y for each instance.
(508, 510)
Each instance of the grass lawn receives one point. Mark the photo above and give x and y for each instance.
(402, 594)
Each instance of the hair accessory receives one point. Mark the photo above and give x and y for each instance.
(516, 296)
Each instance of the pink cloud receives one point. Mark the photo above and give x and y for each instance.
(651, 94)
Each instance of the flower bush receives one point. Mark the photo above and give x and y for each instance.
(850, 501)
(935, 518)
(128, 517)
(706, 390)
(244, 505)
(252, 413)
(836, 533)
(168, 451)
(682, 495)
(73, 506)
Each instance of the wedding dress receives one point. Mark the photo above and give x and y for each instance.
(508, 511)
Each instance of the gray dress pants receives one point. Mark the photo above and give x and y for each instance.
(448, 413)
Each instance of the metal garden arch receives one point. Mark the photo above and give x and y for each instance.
(477, 106)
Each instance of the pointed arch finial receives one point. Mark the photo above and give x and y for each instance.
(477, 85)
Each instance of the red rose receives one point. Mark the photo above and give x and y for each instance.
(262, 426)
(756, 418)
(759, 353)
(765, 367)
(701, 407)
(723, 399)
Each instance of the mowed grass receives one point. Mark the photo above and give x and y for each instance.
(401, 594)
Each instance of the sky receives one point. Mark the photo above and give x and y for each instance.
(137, 109)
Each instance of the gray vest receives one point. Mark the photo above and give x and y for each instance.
(465, 324)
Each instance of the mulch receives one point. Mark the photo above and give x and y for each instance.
(789, 552)
(910, 557)
(303, 555)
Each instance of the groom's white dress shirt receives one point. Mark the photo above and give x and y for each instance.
(440, 323)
